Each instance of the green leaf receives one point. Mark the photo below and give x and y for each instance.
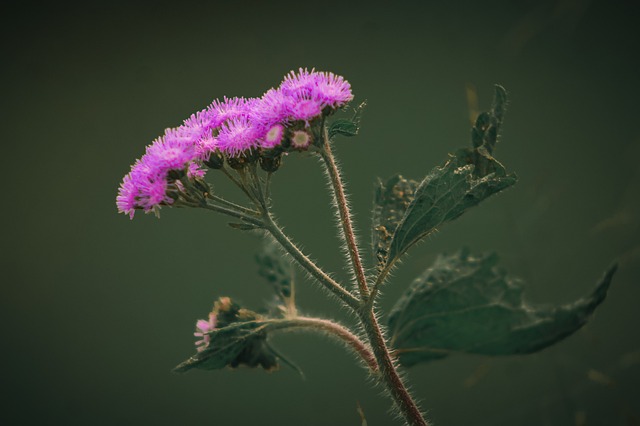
(344, 127)
(347, 127)
(391, 200)
(486, 130)
(240, 338)
(276, 268)
(466, 303)
(470, 176)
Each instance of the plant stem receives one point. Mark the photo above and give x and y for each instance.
(324, 279)
(233, 205)
(334, 329)
(233, 213)
(388, 373)
(345, 214)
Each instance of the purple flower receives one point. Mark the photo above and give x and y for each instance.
(273, 137)
(195, 170)
(332, 89)
(300, 139)
(273, 107)
(203, 328)
(228, 109)
(239, 134)
(144, 187)
(309, 92)
(127, 193)
(198, 125)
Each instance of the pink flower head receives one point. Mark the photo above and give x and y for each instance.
(143, 188)
(194, 170)
(274, 107)
(229, 109)
(312, 91)
(203, 328)
(302, 82)
(170, 152)
(205, 146)
(332, 89)
(305, 108)
(237, 135)
(127, 193)
(300, 139)
(196, 126)
(273, 136)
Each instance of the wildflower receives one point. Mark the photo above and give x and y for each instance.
(310, 92)
(273, 136)
(237, 135)
(195, 171)
(333, 90)
(300, 139)
(272, 108)
(170, 152)
(203, 328)
(228, 109)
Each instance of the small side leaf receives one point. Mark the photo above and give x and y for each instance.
(466, 303)
(390, 202)
(345, 126)
(239, 338)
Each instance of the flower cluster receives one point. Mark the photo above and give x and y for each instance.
(232, 128)
(203, 328)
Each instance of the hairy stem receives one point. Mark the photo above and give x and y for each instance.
(379, 281)
(324, 279)
(345, 215)
(233, 213)
(233, 205)
(239, 184)
(333, 329)
(388, 373)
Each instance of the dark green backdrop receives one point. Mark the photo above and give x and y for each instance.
(95, 309)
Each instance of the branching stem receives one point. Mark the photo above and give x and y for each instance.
(324, 279)
(345, 214)
(333, 329)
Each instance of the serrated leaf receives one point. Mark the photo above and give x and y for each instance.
(276, 268)
(240, 338)
(344, 127)
(486, 130)
(470, 176)
(467, 304)
(391, 200)
(448, 191)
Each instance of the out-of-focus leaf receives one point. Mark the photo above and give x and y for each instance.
(486, 130)
(391, 200)
(466, 303)
(275, 267)
(240, 338)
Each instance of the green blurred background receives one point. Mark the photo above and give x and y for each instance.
(97, 309)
